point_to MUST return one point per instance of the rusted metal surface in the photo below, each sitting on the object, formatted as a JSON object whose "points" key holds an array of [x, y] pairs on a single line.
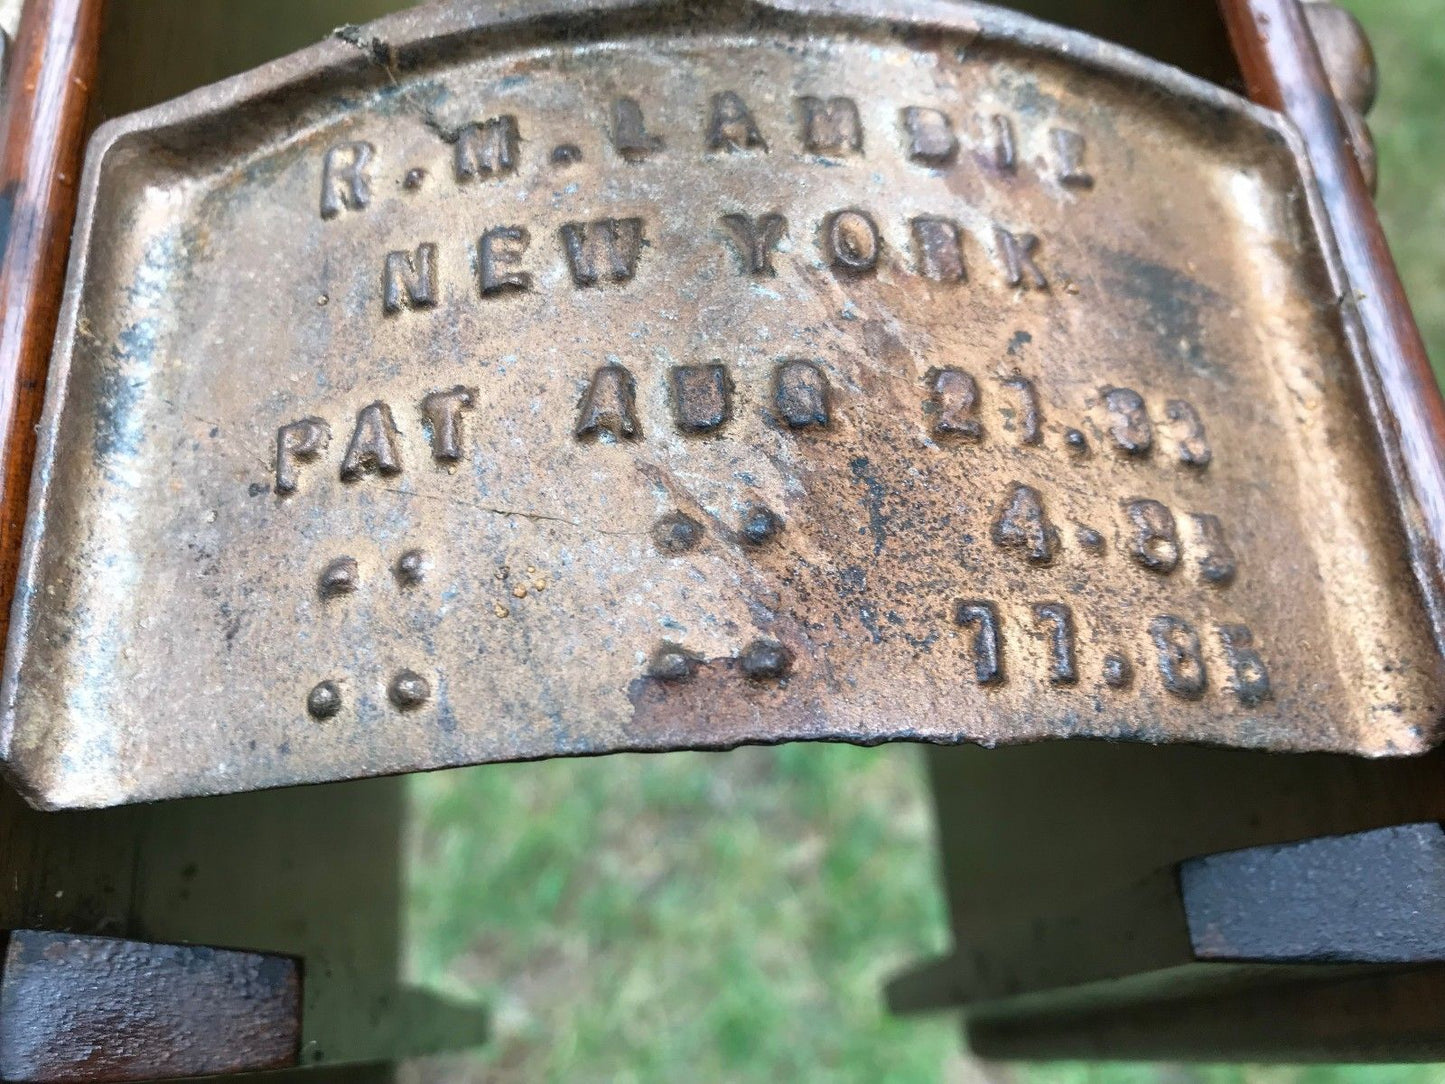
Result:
{"points": [[490, 385], [95, 1009]]}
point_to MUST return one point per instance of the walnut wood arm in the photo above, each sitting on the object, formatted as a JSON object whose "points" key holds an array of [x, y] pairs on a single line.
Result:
{"points": [[42, 134]]}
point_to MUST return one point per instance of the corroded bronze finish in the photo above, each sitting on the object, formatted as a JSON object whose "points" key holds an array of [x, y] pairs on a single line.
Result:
{"points": [[491, 386]]}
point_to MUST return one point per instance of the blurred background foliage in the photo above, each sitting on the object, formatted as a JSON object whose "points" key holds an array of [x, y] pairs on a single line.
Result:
{"points": [[1409, 40], [732, 917]]}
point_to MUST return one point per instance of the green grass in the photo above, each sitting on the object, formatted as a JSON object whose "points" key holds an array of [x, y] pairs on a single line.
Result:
{"points": [[733, 917], [1409, 40], [708, 917]]}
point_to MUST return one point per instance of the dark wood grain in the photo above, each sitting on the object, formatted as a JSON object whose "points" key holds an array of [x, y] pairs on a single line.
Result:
{"points": [[47, 97], [1282, 70]]}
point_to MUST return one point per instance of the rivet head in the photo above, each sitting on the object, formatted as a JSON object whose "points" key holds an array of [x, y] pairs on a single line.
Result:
{"points": [[324, 700], [408, 690], [410, 568], [671, 663], [766, 660], [339, 577], [676, 533], [760, 523]]}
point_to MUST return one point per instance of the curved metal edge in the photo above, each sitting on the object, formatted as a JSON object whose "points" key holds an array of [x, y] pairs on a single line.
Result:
{"points": [[452, 22]]}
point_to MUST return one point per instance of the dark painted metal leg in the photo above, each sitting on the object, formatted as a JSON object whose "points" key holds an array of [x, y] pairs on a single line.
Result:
{"points": [[1114, 901]]}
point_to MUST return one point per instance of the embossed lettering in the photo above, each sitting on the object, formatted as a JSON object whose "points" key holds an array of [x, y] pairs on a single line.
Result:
{"points": [[324, 700], [930, 135], [676, 533], [1154, 541], [671, 662], [340, 576], [1118, 671], [373, 444], [1021, 524], [1017, 253], [954, 404], [629, 132], [344, 180], [851, 238], [730, 126], [755, 239], [987, 652], [831, 125], [610, 405], [1031, 422], [1129, 420], [408, 690], [765, 660], [1216, 561], [443, 413], [1193, 447], [940, 249], [759, 524], [1004, 156], [502, 247], [487, 149], [409, 281], [701, 397], [1069, 155], [1181, 664], [801, 392], [1250, 677], [605, 248], [410, 568], [296, 443], [1063, 670]]}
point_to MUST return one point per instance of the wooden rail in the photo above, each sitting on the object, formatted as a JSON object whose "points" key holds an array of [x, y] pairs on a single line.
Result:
{"points": [[42, 133]]}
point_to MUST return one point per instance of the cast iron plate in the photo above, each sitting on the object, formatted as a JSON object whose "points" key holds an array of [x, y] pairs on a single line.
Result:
{"points": [[1031, 413]]}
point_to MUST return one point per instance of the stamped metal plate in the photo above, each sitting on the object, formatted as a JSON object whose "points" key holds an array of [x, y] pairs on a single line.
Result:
{"points": [[501, 383]]}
